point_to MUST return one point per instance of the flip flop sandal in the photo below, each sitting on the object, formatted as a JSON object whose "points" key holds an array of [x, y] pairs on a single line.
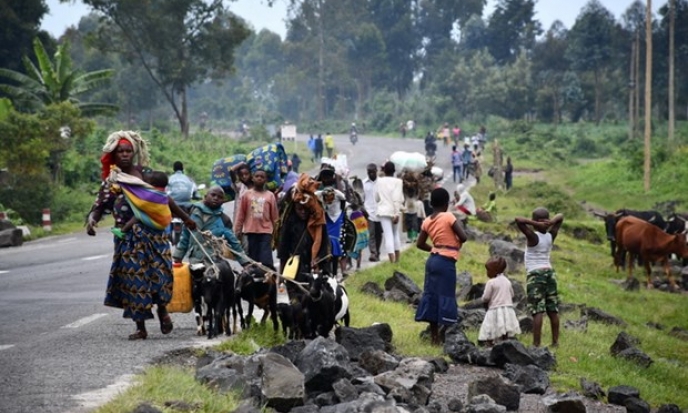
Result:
{"points": [[138, 335], [166, 325]]}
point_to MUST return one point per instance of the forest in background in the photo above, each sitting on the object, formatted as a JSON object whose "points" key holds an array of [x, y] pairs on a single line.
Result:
{"points": [[171, 68]]}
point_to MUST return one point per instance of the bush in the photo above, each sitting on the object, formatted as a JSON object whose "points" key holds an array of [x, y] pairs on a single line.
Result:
{"points": [[72, 205], [28, 195], [540, 193]]}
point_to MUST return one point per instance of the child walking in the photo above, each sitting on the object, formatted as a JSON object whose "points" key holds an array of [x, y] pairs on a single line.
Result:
{"points": [[500, 322], [333, 201], [256, 217], [207, 216], [438, 303], [358, 217]]}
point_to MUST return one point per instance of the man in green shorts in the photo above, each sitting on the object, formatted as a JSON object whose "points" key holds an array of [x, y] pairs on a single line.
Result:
{"points": [[541, 280]]}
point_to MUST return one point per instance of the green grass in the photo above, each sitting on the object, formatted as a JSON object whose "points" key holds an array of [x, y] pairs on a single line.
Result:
{"points": [[161, 384], [585, 272]]}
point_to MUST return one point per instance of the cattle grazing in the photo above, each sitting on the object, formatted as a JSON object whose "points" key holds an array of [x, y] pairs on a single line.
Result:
{"points": [[326, 304], [610, 220], [651, 244], [676, 223], [257, 288], [213, 290]]}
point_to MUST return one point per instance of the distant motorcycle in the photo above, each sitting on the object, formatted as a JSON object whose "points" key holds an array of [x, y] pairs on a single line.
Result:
{"points": [[353, 137], [430, 150]]}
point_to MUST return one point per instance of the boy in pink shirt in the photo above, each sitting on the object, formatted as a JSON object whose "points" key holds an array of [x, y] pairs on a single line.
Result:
{"points": [[256, 217]]}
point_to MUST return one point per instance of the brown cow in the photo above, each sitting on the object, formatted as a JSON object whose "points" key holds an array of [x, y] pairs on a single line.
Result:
{"points": [[651, 244]]}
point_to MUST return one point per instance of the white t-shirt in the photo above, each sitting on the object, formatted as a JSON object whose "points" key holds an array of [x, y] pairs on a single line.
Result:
{"points": [[369, 190], [390, 196], [537, 257]]}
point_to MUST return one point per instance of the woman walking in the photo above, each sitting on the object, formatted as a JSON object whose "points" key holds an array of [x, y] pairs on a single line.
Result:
{"points": [[390, 201], [141, 270]]}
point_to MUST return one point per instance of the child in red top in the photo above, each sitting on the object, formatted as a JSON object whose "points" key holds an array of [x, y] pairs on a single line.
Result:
{"points": [[256, 217], [438, 303]]}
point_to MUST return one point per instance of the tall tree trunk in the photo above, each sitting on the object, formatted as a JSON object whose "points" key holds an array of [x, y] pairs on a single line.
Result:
{"points": [[672, 114], [636, 104], [631, 94], [184, 118], [321, 64], [648, 93], [597, 97]]}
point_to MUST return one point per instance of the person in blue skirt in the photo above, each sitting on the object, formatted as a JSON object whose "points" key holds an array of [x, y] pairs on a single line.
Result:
{"points": [[438, 303]]}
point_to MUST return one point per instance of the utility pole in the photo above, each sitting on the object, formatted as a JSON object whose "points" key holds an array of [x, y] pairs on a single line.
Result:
{"points": [[631, 94], [672, 113], [648, 94]]}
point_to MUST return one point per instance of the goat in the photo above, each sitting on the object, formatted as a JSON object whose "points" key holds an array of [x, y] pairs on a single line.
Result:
{"points": [[326, 303], [258, 289], [214, 289]]}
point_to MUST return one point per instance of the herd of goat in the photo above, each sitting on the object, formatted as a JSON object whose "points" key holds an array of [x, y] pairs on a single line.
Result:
{"points": [[315, 304]]}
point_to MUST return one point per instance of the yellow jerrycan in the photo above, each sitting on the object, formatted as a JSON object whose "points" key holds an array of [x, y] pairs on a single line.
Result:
{"points": [[181, 301]]}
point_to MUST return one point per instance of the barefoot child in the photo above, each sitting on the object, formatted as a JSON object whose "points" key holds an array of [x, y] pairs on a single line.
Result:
{"points": [[438, 303], [255, 219], [500, 322], [541, 288], [358, 217]]}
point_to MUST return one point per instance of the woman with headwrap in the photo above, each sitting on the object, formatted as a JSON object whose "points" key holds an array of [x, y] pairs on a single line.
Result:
{"points": [[141, 271]]}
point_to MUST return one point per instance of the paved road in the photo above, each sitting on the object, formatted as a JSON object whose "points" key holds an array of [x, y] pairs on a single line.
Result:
{"points": [[61, 350]]}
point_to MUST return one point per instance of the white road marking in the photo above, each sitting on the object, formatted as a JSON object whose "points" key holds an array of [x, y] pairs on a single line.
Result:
{"points": [[66, 240], [6, 346], [94, 257], [84, 321], [97, 398], [2, 272]]}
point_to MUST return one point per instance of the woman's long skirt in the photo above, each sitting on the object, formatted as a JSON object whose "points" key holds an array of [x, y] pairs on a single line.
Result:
{"points": [[141, 273]]}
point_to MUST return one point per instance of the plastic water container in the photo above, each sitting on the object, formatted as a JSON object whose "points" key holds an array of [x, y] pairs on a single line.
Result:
{"points": [[181, 301]]}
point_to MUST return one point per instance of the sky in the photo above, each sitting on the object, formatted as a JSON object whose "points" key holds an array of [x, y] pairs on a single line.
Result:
{"points": [[62, 16]]}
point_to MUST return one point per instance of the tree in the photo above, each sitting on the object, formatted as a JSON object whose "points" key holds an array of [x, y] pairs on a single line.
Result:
{"points": [[590, 43], [53, 82], [634, 21], [178, 42], [549, 70], [21, 21], [395, 22], [512, 28], [648, 95], [672, 102], [34, 164]]}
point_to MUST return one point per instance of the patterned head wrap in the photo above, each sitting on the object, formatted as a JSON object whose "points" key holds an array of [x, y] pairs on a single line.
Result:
{"points": [[140, 146]]}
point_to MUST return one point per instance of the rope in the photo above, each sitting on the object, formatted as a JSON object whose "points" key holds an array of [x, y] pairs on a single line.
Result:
{"points": [[217, 243], [201, 246]]}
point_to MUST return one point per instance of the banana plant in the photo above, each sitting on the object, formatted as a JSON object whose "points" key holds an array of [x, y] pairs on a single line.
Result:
{"points": [[54, 81]]}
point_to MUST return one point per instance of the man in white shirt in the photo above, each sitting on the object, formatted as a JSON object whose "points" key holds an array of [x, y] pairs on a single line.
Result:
{"points": [[180, 187], [374, 226]]}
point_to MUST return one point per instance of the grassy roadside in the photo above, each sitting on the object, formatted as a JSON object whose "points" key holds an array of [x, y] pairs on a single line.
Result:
{"points": [[585, 277]]}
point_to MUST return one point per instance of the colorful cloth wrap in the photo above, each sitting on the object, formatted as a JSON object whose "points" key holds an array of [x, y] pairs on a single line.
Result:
{"points": [[151, 206], [271, 158], [220, 174]]}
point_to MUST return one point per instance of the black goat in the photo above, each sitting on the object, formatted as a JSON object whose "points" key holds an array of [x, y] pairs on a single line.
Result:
{"points": [[257, 289], [213, 288]]}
